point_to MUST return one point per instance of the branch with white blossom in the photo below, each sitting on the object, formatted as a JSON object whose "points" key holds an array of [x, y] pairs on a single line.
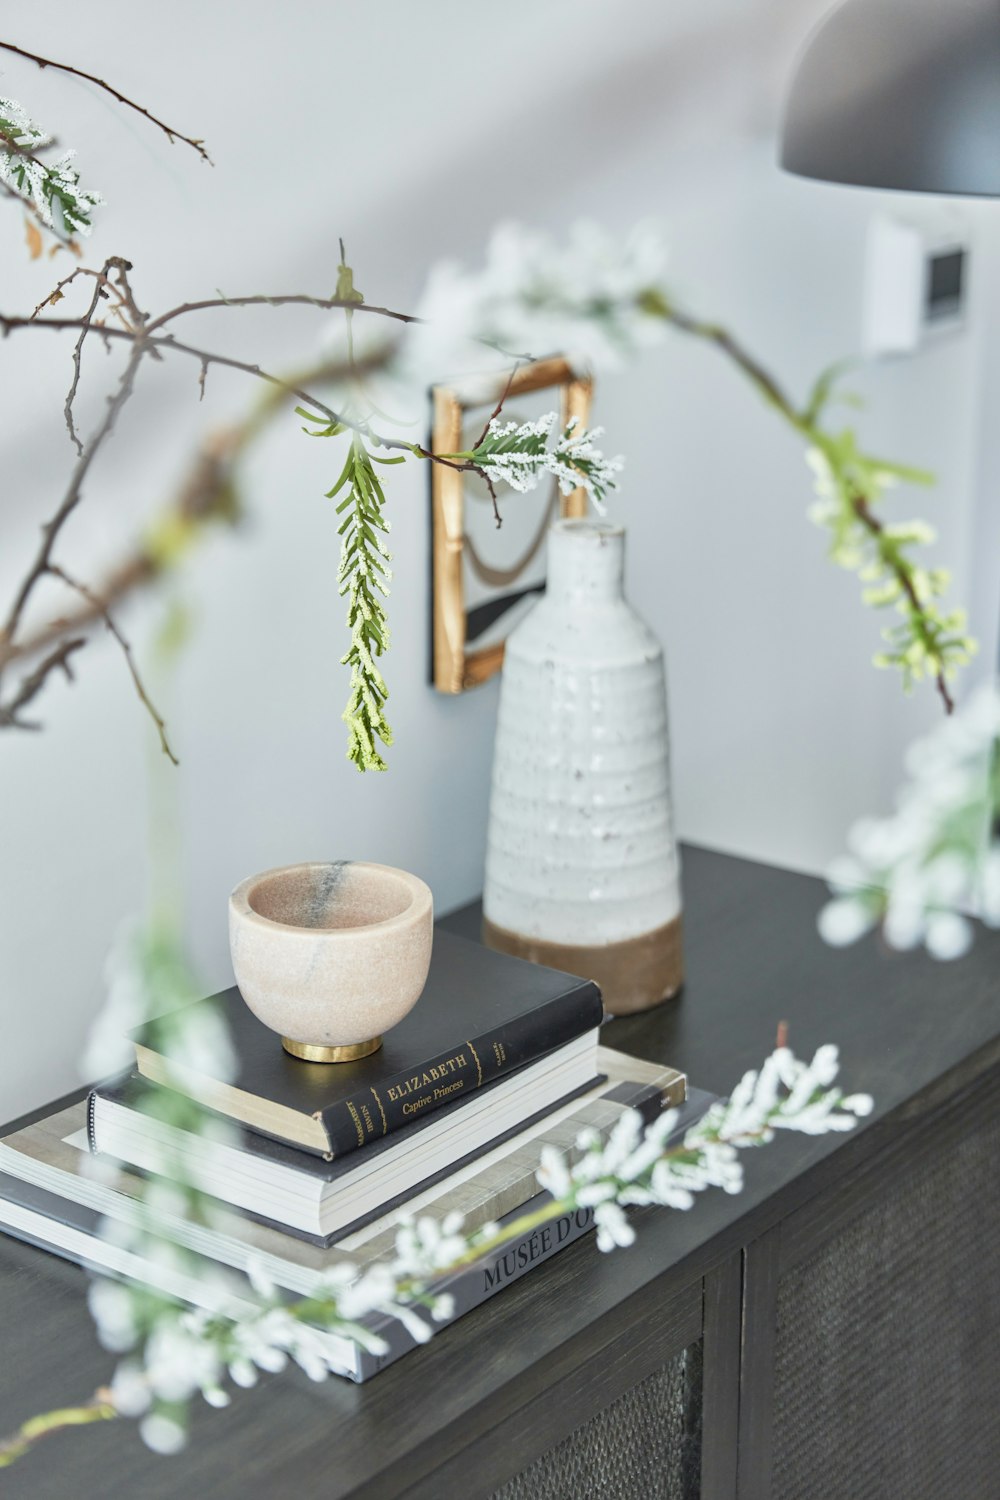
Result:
{"points": [[173, 1354], [606, 301], [602, 301]]}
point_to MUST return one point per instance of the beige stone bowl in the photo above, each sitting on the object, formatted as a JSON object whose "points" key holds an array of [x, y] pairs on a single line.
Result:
{"points": [[330, 956]]}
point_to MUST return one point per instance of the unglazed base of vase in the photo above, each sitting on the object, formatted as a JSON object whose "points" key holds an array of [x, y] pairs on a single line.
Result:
{"points": [[632, 975]]}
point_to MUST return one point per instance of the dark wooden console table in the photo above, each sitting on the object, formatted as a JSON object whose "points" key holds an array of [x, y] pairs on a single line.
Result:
{"points": [[830, 1333]]}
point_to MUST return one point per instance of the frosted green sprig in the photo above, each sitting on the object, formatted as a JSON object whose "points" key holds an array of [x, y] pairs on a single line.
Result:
{"points": [[518, 454], [52, 188]]}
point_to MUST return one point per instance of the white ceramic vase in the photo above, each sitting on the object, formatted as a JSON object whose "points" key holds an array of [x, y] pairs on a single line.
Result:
{"points": [[582, 871]]}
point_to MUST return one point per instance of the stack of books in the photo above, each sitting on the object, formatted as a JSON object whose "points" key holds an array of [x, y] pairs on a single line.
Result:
{"points": [[498, 1058]]}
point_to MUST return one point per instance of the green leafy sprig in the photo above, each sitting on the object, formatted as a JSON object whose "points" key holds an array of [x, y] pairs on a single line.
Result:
{"points": [[928, 641], [363, 577]]}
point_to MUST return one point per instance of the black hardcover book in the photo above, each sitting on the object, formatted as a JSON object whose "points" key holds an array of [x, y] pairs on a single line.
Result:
{"points": [[481, 1015]]}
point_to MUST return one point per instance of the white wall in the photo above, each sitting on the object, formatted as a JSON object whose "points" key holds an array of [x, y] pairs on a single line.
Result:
{"points": [[412, 130]]}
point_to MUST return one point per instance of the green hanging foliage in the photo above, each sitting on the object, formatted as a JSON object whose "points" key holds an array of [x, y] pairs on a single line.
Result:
{"points": [[363, 578]]}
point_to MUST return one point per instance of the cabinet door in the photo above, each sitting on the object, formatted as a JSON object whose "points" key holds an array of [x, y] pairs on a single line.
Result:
{"points": [[885, 1375], [644, 1444]]}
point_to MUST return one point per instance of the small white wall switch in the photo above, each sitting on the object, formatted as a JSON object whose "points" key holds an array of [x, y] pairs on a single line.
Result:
{"points": [[916, 280]]}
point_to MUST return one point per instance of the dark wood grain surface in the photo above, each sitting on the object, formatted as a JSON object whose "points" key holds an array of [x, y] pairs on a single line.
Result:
{"points": [[912, 1032]]}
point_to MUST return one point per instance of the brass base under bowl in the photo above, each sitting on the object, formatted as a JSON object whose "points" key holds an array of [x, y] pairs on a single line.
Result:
{"points": [[308, 1053]]}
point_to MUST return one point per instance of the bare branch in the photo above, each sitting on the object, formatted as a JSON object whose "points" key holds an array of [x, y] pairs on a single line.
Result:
{"points": [[168, 130], [498, 408], [723, 340], [153, 345], [138, 318], [35, 681], [117, 585], [100, 292], [73, 494], [498, 519], [212, 482], [102, 609], [283, 300], [206, 494], [56, 294]]}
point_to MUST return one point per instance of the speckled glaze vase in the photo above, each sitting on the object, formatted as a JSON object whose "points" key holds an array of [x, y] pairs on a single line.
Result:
{"points": [[582, 871]]}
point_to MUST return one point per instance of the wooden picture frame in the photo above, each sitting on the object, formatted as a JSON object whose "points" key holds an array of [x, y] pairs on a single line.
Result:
{"points": [[458, 663]]}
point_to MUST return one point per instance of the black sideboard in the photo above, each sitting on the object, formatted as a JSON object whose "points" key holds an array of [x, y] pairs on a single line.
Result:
{"points": [[829, 1333]]}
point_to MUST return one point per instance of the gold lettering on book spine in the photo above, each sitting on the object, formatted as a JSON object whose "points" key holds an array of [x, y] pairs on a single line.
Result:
{"points": [[479, 1066], [385, 1127], [357, 1123]]}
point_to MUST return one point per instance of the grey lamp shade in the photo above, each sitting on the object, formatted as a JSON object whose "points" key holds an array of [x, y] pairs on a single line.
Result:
{"points": [[900, 94]]}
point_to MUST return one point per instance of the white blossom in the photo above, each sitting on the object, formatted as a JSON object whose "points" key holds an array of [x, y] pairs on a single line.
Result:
{"points": [[178, 1362], [259, 1278], [553, 1172], [112, 1307], [162, 1434], [202, 1044], [585, 298], [613, 1229], [635, 1167], [108, 1048], [130, 1392], [935, 862], [426, 1245], [843, 921]]}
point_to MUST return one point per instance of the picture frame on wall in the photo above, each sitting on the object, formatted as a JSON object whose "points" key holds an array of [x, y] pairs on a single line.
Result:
{"points": [[485, 577]]}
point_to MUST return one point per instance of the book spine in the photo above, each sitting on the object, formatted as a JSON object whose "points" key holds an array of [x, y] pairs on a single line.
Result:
{"points": [[469, 1288], [373, 1113]]}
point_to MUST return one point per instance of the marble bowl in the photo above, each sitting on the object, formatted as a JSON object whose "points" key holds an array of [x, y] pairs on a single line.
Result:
{"points": [[330, 956]]}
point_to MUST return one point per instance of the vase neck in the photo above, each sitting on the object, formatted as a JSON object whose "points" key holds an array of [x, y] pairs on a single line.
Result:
{"points": [[586, 560]]}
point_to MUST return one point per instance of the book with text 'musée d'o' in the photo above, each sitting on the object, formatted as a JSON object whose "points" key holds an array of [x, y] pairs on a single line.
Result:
{"points": [[482, 1016]]}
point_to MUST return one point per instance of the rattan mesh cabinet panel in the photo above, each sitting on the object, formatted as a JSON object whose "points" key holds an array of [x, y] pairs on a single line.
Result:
{"points": [[887, 1357], [644, 1446]]}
